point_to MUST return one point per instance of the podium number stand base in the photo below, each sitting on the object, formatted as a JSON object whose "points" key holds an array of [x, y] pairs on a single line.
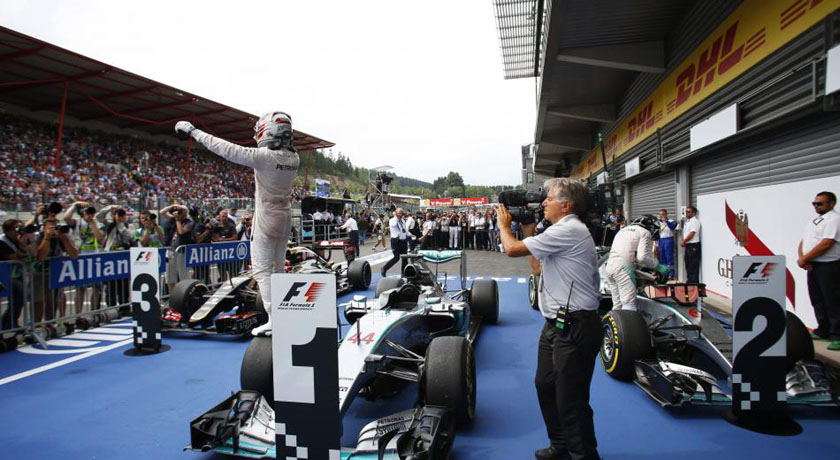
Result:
{"points": [[134, 351], [776, 424]]}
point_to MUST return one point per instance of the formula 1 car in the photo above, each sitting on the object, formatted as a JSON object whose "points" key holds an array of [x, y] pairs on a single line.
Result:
{"points": [[415, 330], [679, 354], [235, 307], [352, 275]]}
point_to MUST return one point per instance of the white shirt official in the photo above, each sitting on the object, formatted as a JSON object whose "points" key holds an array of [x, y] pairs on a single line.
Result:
{"points": [[822, 227], [350, 225], [566, 253], [692, 225], [398, 228]]}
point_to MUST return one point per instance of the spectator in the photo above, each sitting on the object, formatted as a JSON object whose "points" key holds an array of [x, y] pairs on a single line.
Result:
{"points": [[691, 243], [464, 223], [454, 231], [819, 253]]}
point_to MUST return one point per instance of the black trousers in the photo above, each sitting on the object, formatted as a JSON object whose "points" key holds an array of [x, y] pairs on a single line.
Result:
{"points": [[399, 247], [11, 316], [692, 262], [824, 290], [469, 239], [564, 375], [354, 240]]}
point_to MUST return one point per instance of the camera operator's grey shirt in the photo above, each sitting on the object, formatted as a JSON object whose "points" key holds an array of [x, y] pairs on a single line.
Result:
{"points": [[566, 253]]}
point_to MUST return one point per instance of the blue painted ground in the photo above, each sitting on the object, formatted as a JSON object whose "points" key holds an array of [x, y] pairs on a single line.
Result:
{"points": [[111, 406]]}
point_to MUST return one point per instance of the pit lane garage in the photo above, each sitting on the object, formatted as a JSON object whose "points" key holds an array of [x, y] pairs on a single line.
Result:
{"points": [[99, 403]]}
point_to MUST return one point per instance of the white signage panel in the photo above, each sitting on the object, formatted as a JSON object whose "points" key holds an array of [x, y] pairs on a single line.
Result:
{"points": [[715, 128]]}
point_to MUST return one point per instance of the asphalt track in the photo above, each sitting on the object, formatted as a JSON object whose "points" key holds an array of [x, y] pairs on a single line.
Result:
{"points": [[92, 402]]}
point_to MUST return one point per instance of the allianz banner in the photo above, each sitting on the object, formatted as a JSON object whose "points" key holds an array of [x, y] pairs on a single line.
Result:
{"points": [[96, 267], [215, 253]]}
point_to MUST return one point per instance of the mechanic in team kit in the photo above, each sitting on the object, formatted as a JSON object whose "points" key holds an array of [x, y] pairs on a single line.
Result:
{"points": [[632, 245], [275, 162], [571, 335]]}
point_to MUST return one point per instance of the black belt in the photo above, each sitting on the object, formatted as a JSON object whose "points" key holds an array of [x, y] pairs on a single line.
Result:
{"points": [[576, 314]]}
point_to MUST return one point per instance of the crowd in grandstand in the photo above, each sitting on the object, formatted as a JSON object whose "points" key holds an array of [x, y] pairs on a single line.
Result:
{"points": [[107, 168]]}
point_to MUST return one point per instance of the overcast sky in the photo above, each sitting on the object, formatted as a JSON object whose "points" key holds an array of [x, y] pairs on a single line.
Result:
{"points": [[417, 85]]}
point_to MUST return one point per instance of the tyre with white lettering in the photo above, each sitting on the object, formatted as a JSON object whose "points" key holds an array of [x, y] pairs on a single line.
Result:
{"points": [[484, 300], [448, 378], [256, 372], [533, 291], [626, 340], [187, 297], [359, 274]]}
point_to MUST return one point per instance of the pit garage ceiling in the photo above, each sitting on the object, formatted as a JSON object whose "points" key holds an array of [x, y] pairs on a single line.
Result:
{"points": [[594, 51]]}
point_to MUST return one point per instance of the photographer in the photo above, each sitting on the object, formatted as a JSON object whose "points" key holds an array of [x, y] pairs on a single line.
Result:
{"points": [[223, 230], [149, 234], [243, 230], [16, 243], [53, 241], [568, 299], [178, 233], [202, 234], [88, 238], [117, 238], [44, 212]]}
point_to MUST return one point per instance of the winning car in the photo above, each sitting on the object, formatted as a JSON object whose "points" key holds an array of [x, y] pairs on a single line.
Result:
{"points": [[415, 330]]}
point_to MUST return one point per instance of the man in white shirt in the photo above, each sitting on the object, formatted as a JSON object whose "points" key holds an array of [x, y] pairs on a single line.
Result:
{"points": [[399, 240], [568, 289], [691, 243], [410, 223], [819, 253], [352, 228]]}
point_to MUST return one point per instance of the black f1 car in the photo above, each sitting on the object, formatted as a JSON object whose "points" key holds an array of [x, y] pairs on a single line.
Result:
{"points": [[235, 307], [350, 275], [415, 330], [679, 354]]}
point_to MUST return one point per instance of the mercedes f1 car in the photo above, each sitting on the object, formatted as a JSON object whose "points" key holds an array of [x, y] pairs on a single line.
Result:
{"points": [[415, 330], [679, 354], [235, 307]]}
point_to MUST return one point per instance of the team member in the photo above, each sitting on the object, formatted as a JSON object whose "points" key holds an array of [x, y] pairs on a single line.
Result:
{"points": [[352, 228], [691, 243], [569, 284], [275, 162], [399, 241], [666, 241], [632, 244], [819, 253]]}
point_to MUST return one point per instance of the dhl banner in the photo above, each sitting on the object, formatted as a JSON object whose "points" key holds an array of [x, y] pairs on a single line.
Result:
{"points": [[755, 30], [453, 202]]}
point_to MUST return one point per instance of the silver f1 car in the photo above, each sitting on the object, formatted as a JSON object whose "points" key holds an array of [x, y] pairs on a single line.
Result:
{"points": [[415, 330], [679, 354]]}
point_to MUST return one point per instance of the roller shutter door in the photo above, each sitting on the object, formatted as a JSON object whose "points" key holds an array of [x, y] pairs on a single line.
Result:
{"points": [[651, 195], [807, 150]]}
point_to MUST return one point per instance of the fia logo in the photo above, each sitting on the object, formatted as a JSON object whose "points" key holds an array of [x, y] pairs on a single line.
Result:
{"points": [[758, 273], [143, 258], [301, 296]]}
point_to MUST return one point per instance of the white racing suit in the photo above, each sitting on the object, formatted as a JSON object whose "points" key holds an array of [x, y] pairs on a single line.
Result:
{"points": [[274, 171], [632, 244]]}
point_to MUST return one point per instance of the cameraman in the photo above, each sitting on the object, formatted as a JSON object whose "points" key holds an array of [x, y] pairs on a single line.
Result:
{"points": [[118, 237], [16, 243], [178, 233], [53, 241], [225, 230], [150, 234], [568, 289], [44, 211], [88, 237]]}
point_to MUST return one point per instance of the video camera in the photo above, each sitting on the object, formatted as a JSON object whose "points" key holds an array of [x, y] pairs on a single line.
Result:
{"points": [[524, 206]]}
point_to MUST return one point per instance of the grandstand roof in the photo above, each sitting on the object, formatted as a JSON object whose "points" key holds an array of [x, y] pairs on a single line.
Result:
{"points": [[34, 73]]}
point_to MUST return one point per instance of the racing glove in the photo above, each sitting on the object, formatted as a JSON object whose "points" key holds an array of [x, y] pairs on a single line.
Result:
{"points": [[184, 127]]}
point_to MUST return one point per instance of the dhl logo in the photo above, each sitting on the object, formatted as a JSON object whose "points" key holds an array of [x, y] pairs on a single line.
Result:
{"points": [[642, 122], [795, 11]]}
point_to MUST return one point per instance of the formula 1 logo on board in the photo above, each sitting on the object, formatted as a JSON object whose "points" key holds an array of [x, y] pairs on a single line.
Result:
{"points": [[301, 296]]}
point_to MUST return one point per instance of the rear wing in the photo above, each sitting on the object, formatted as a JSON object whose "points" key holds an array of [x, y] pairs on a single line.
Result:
{"points": [[439, 257]]}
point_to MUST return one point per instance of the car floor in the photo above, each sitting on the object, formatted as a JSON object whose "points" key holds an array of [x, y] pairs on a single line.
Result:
{"points": [[97, 403]]}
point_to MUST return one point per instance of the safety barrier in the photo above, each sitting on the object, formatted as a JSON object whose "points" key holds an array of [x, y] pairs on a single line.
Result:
{"points": [[43, 300]]}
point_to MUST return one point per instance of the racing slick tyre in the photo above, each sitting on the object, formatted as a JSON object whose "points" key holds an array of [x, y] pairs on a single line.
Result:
{"points": [[359, 275], [484, 300], [799, 344], [385, 284], [626, 339], [449, 377], [187, 297], [256, 371], [533, 291]]}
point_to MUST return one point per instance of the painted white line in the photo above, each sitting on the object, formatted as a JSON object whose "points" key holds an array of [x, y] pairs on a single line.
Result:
{"points": [[63, 362], [71, 343], [112, 330], [91, 336], [521, 280]]}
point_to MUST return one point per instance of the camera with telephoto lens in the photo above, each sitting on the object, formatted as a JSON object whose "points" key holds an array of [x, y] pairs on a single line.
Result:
{"points": [[524, 206], [63, 228], [24, 229]]}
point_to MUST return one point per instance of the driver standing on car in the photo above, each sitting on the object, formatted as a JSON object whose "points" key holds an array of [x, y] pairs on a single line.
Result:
{"points": [[632, 244], [275, 162], [568, 288]]}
